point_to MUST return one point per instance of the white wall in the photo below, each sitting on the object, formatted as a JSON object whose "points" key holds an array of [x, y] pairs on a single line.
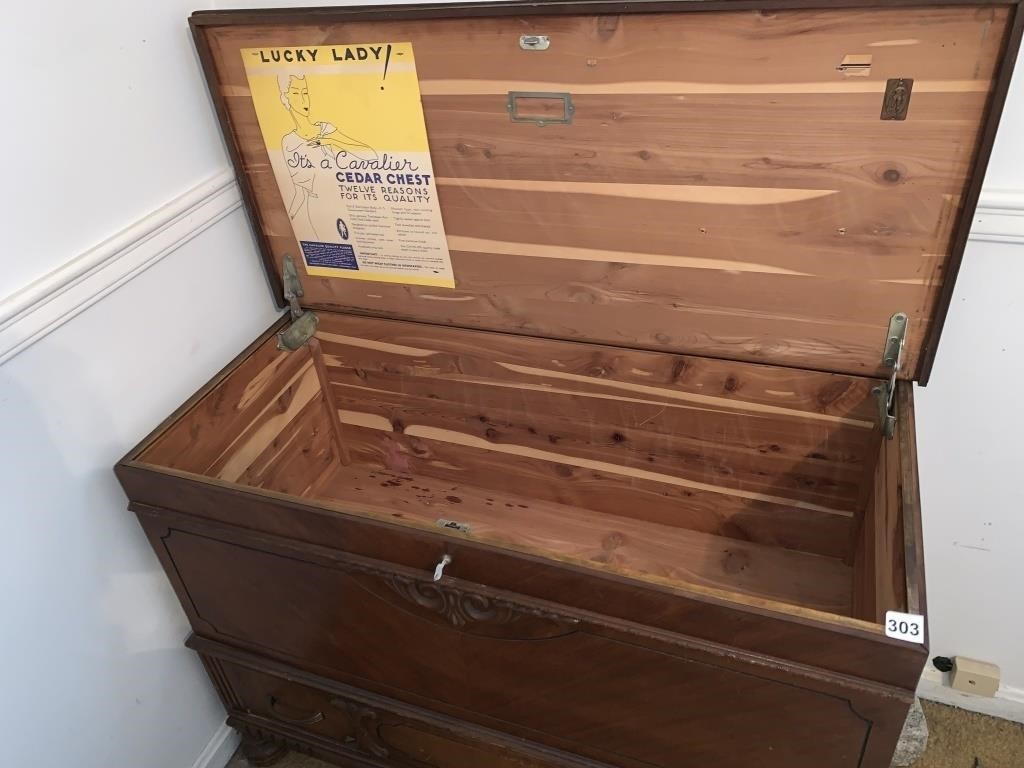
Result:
{"points": [[970, 460], [109, 123], [94, 673], [971, 464], [111, 337]]}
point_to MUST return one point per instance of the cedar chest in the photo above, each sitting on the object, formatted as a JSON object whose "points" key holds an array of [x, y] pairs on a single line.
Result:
{"points": [[641, 489]]}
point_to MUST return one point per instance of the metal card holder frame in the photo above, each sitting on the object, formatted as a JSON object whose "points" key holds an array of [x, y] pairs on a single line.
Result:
{"points": [[514, 97]]}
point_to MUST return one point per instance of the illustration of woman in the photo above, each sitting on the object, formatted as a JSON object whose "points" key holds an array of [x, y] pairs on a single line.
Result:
{"points": [[323, 137]]}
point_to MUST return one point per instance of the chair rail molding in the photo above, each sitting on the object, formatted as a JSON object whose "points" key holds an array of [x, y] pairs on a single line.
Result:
{"points": [[32, 312], [1000, 216], [29, 314]]}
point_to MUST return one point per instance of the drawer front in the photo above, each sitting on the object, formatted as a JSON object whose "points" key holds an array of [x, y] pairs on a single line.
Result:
{"points": [[362, 725], [532, 670]]}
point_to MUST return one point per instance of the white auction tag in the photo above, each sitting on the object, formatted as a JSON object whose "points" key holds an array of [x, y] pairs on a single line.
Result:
{"points": [[904, 626]]}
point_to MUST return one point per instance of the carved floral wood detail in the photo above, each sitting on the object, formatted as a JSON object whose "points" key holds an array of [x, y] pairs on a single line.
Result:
{"points": [[461, 608], [365, 724], [258, 738]]}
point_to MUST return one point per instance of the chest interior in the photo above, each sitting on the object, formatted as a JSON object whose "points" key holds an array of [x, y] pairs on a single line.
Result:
{"points": [[762, 484]]}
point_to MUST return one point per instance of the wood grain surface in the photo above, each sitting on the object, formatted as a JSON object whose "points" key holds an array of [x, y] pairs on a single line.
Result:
{"points": [[593, 692], [245, 681], [641, 427], [725, 187], [358, 724], [880, 577], [910, 503], [724, 475], [585, 690]]}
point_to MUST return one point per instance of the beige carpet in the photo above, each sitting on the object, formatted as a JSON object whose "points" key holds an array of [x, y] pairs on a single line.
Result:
{"points": [[957, 739], [961, 739]]}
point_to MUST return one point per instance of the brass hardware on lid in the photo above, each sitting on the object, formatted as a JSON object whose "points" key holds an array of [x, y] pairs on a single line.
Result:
{"points": [[304, 322], [892, 361], [516, 99], [896, 100], [534, 42], [454, 525]]}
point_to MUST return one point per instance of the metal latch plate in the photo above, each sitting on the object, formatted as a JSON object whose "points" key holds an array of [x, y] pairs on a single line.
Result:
{"points": [[534, 42], [453, 525]]}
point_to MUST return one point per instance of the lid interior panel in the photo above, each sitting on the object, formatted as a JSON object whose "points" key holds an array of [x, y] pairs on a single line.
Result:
{"points": [[726, 187]]}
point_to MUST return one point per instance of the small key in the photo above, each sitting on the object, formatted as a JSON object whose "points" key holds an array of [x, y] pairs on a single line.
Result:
{"points": [[439, 570]]}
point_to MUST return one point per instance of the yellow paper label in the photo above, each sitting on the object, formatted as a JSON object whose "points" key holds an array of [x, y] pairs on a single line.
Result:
{"points": [[343, 126]]}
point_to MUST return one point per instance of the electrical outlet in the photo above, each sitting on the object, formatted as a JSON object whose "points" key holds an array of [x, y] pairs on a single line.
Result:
{"points": [[973, 676]]}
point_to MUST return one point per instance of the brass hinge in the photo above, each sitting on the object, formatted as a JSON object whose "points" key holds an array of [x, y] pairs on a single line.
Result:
{"points": [[304, 322], [892, 362]]}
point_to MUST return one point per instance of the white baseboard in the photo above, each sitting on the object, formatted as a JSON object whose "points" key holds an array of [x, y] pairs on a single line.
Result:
{"points": [[220, 748], [1008, 703], [44, 305]]}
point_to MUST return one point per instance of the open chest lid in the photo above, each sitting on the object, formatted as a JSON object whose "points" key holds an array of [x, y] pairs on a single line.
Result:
{"points": [[723, 179]]}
